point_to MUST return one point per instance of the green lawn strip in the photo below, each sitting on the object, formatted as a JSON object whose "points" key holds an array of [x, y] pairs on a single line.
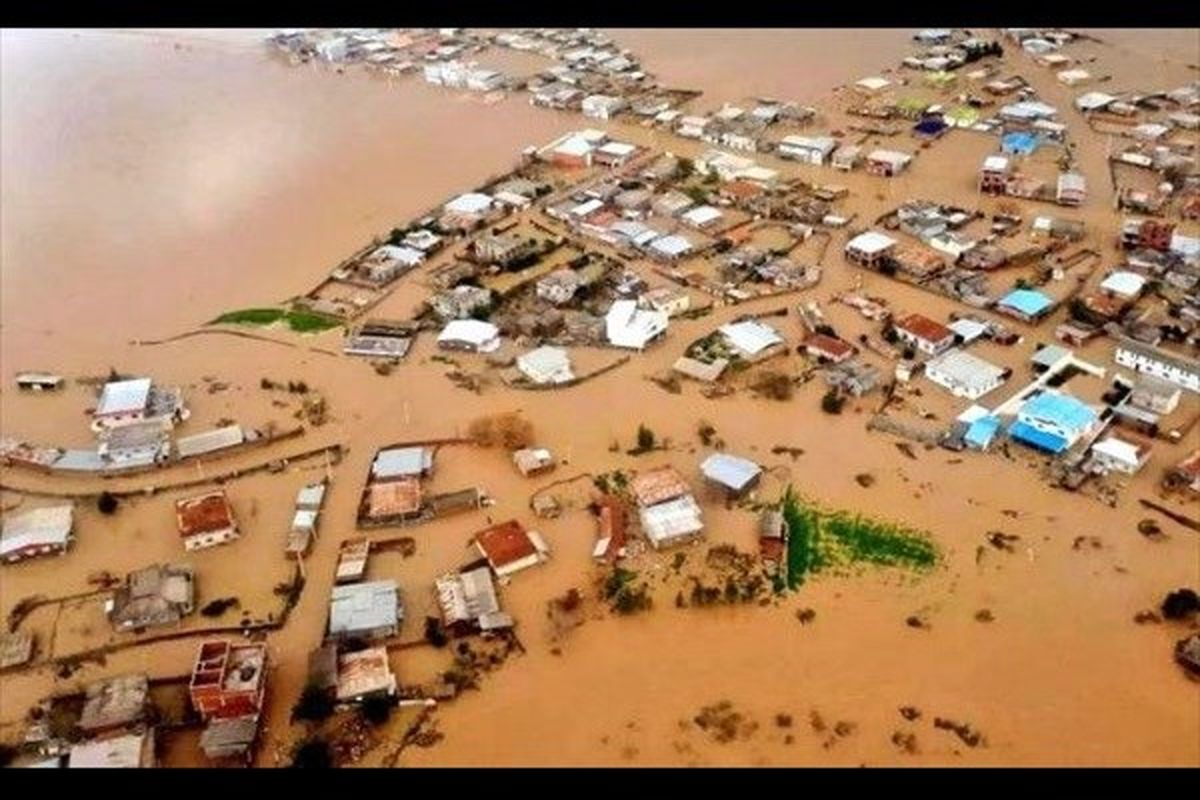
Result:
{"points": [[819, 540], [297, 321], [250, 316], [308, 322]]}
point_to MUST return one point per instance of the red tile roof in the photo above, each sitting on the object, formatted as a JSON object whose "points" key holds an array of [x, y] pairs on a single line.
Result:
{"points": [[505, 543], [828, 346], [658, 486], [209, 512], [925, 328]]}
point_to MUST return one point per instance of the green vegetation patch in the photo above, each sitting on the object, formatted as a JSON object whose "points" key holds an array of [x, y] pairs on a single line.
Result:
{"points": [[298, 321], [820, 539]]}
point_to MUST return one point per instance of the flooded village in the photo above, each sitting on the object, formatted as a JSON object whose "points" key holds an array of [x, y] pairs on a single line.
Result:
{"points": [[625, 443]]}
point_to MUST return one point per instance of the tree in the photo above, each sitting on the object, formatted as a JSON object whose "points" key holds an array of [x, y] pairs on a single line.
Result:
{"points": [[377, 709], [314, 705], [312, 754], [435, 634], [645, 438], [832, 402], [1180, 604], [107, 503]]}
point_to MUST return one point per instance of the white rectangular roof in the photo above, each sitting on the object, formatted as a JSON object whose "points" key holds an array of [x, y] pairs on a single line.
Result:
{"points": [[402, 462], [672, 245], [363, 607], [995, 163], [965, 368], [729, 470], [587, 207], [472, 331], [702, 215], [122, 397], [968, 329], [1118, 449], [469, 203], [894, 157], [671, 520], [313, 494], [49, 526], [1123, 283], [750, 336], [870, 242], [617, 148], [825, 144], [209, 441]]}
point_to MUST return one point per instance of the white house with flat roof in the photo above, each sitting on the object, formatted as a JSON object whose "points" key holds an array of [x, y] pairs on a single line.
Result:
{"points": [[1118, 455], [964, 374], [1161, 363], [809, 149], [626, 325], [869, 247]]}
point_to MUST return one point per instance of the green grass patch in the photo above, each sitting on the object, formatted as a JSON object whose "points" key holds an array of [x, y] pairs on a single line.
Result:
{"points": [[819, 539], [298, 321], [250, 316]]}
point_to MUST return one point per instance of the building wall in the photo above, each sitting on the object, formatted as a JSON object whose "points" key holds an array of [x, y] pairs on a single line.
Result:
{"points": [[1189, 380], [1115, 464], [960, 390], [204, 540]]}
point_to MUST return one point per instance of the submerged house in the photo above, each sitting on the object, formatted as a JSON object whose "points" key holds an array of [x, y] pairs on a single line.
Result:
{"points": [[365, 610], [206, 521], [628, 326], [668, 512], [510, 548], [1053, 421], [138, 400], [469, 603], [38, 532], [736, 475], [752, 340], [227, 689], [161, 594]]}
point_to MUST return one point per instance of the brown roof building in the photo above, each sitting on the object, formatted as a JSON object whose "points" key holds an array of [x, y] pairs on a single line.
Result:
{"points": [[509, 548], [925, 334], [206, 521], [658, 486], [392, 499], [830, 348]]}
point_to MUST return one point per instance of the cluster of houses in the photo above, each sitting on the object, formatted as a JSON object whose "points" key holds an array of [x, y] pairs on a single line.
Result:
{"points": [[998, 176], [395, 490], [114, 722], [133, 422]]}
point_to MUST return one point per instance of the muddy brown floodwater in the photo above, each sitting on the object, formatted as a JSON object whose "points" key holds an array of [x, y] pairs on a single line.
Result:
{"points": [[152, 180]]}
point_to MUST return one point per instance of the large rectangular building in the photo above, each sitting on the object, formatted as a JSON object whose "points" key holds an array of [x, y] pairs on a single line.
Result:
{"points": [[1160, 363]]}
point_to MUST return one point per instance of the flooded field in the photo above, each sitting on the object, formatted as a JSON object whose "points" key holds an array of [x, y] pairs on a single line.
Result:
{"points": [[153, 182]]}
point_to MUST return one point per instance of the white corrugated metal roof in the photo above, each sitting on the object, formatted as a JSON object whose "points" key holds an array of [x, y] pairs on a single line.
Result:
{"points": [[402, 462], [750, 336], [730, 471], [671, 520], [208, 441], [473, 331], [363, 606], [40, 527], [122, 397], [870, 242]]}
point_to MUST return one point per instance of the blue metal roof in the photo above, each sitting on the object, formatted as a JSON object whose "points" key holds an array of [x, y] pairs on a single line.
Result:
{"points": [[1037, 438], [1027, 301], [981, 432], [1020, 142], [1060, 409]]}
